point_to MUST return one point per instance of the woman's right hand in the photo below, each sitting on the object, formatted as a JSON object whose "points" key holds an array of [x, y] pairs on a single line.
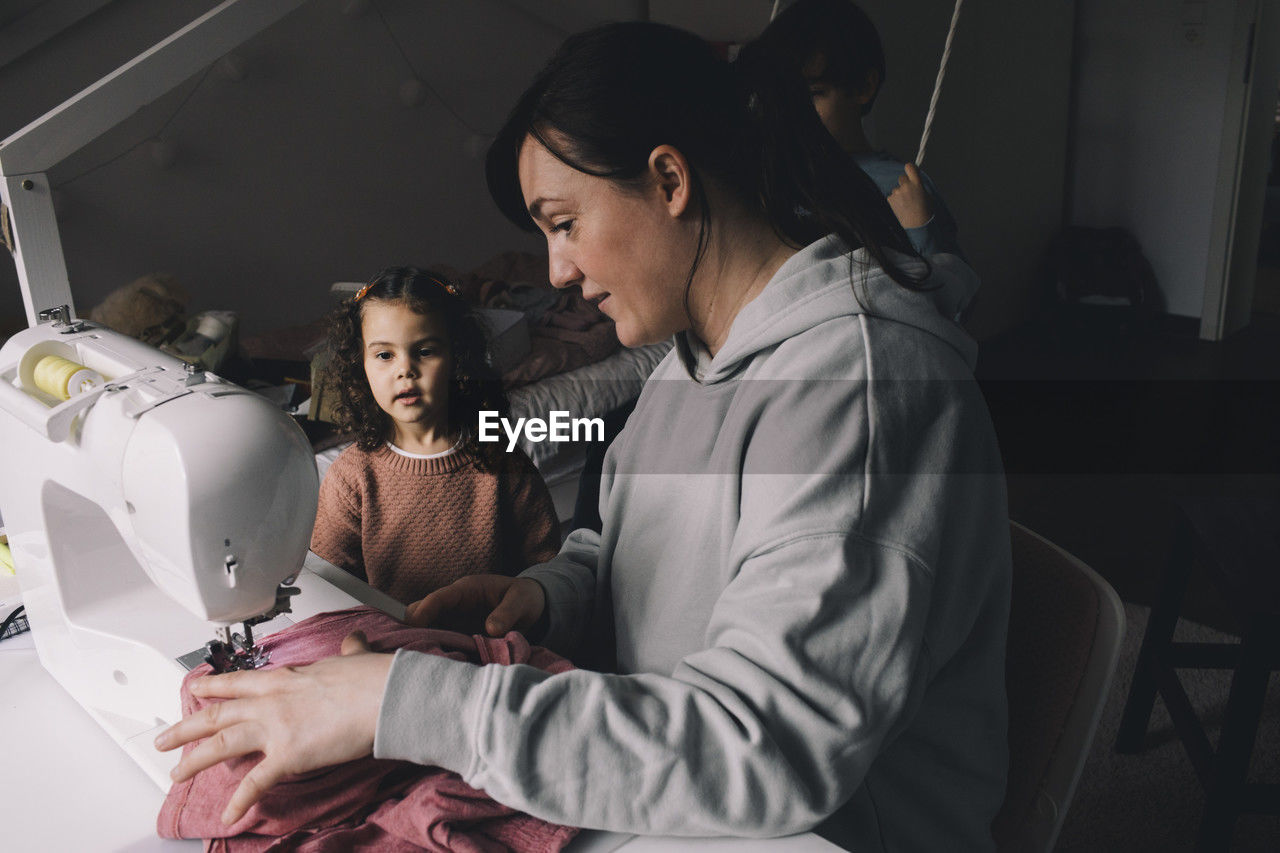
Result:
{"points": [[503, 603]]}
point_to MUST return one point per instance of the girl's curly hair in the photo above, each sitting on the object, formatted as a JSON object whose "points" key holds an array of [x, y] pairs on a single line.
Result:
{"points": [[475, 385]]}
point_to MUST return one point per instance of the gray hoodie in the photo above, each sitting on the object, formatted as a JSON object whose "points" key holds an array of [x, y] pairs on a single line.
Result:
{"points": [[802, 586]]}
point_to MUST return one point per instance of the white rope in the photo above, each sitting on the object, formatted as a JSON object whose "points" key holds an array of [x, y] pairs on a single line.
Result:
{"points": [[937, 85]]}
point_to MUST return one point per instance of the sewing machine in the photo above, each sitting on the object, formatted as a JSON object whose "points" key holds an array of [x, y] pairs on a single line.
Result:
{"points": [[151, 508]]}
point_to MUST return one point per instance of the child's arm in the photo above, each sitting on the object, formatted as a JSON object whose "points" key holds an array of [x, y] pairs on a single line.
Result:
{"points": [[533, 513], [910, 200], [925, 218], [336, 534]]}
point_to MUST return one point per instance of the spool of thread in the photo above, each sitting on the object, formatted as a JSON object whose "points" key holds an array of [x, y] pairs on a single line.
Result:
{"points": [[62, 378]]}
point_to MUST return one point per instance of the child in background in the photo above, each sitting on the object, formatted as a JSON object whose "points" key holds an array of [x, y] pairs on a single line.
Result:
{"points": [[417, 502], [837, 49]]}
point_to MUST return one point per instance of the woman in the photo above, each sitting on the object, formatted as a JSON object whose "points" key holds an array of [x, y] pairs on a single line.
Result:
{"points": [[800, 592]]}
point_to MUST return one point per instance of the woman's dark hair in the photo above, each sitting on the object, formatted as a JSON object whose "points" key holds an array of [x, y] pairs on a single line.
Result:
{"points": [[475, 386], [836, 30], [610, 95]]}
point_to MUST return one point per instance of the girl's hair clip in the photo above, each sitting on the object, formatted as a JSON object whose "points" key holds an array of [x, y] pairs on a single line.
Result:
{"points": [[449, 288]]}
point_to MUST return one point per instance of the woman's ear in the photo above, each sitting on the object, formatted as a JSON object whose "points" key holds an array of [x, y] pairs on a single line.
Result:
{"points": [[672, 177]]}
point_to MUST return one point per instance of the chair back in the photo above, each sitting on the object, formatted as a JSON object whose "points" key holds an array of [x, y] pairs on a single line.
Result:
{"points": [[1065, 628]]}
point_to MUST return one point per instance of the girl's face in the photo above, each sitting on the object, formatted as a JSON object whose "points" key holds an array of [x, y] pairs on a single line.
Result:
{"points": [[409, 365], [839, 107], [625, 251]]}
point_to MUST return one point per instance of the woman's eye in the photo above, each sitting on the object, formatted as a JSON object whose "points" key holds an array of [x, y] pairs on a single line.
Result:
{"points": [[566, 226]]}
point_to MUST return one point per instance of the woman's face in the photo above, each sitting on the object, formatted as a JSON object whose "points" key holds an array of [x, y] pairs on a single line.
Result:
{"points": [[626, 251]]}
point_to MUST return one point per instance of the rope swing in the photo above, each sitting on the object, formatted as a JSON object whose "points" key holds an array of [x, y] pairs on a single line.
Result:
{"points": [[937, 84]]}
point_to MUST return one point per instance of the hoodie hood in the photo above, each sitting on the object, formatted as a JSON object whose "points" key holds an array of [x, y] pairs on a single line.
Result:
{"points": [[818, 284]]}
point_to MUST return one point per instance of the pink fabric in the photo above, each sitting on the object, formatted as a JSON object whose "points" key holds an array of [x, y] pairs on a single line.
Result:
{"points": [[368, 804]]}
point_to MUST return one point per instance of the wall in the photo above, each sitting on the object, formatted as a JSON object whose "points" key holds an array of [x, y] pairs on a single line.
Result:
{"points": [[997, 150], [309, 169], [1244, 164], [1149, 130]]}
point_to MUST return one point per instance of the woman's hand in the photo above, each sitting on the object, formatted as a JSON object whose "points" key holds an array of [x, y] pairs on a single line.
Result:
{"points": [[503, 603], [300, 719], [910, 200]]}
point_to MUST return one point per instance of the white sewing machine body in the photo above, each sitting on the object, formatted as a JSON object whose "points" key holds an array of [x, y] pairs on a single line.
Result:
{"points": [[144, 513]]}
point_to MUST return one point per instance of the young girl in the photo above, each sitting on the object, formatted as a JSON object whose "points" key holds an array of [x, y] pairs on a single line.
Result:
{"points": [[417, 502], [835, 46]]}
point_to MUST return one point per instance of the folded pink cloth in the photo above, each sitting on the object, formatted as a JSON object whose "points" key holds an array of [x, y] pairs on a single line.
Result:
{"points": [[367, 804]]}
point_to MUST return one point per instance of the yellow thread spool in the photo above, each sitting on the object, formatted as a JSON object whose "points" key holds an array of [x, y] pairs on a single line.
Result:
{"points": [[62, 378]]}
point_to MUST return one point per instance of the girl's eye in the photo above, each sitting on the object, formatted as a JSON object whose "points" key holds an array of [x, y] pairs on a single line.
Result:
{"points": [[426, 352], [382, 356]]}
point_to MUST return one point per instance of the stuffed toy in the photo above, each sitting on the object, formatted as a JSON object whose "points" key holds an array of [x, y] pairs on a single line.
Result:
{"points": [[151, 309]]}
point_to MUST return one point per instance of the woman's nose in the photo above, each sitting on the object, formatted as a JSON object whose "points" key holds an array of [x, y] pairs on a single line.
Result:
{"points": [[563, 272]]}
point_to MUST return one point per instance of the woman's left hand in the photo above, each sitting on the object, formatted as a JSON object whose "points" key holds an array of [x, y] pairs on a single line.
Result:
{"points": [[300, 719]]}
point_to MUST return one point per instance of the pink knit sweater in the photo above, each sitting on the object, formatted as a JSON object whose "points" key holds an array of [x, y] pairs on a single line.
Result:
{"points": [[410, 526]]}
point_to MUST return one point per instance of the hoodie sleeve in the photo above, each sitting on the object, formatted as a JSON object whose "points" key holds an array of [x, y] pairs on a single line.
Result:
{"points": [[569, 582], [530, 512], [766, 732]]}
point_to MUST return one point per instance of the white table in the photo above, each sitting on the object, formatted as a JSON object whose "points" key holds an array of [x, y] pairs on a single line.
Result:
{"points": [[67, 788]]}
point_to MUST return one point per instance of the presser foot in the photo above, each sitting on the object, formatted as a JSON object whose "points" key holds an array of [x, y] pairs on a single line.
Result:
{"points": [[232, 652]]}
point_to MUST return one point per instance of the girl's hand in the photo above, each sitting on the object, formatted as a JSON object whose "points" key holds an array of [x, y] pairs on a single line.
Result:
{"points": [[910, 200], [300, 719], [503, 603]]}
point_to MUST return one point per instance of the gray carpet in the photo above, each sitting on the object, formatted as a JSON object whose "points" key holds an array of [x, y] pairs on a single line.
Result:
{"points": [[1152, 801]]}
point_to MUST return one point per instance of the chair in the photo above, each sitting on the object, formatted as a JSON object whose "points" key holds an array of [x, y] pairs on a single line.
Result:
{"points": [[1065, 628], [1236, 540]]}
